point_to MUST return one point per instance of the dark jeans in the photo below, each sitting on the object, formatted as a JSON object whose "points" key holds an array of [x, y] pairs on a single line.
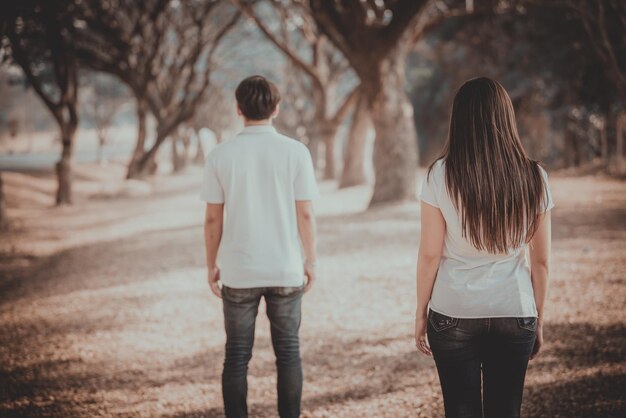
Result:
{"points": [[499, 347], [240, 311]]}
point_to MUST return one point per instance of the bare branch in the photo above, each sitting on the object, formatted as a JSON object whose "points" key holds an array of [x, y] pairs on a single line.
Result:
{"points": [[281, 44], [345, 107]]}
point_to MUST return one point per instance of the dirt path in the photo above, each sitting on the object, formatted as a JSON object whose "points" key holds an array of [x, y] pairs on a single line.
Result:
{"points": [[104, 310]]}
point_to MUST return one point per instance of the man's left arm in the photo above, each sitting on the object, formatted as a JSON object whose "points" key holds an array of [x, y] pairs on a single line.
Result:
{"points": [[213, 223]]}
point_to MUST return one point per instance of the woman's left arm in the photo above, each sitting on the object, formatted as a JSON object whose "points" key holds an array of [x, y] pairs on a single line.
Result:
{"points": [[433, 229]]}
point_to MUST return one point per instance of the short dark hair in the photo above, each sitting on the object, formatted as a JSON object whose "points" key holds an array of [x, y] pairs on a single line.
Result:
{"points": [[257, 97]]}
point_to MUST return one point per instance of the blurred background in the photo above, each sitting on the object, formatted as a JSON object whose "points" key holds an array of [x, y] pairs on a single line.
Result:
{"points": [[108, 108]]}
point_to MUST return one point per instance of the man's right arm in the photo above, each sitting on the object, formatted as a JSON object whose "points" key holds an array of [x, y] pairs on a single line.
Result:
{"points": [[306, 230], [213, 220]]}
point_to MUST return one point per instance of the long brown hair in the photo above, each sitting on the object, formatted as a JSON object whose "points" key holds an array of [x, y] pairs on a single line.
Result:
{"points": [[497, 189]]}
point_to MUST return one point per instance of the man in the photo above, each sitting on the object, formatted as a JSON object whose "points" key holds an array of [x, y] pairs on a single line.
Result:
{"points": [[258, 188]]}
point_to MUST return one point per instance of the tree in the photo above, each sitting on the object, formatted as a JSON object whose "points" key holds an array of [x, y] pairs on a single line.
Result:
{"points": [[5, 101], [604, 22], [181, 141], [103, 96], [217, 113], [376, 41], [543, 56], [122, 39], [354, 157], [297, 114], [37, 32], [375, 37], [163, 51], [4, 219], [310, 52]]}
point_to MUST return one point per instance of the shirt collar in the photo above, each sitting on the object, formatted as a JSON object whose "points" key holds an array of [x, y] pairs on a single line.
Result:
{"points": [[256, 129]]}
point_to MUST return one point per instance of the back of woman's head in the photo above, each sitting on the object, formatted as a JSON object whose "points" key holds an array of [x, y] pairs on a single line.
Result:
{"points": [[497, 189]]}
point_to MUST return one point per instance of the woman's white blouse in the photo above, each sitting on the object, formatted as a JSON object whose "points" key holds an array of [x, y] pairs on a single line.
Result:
{"points": [[471, 283]]}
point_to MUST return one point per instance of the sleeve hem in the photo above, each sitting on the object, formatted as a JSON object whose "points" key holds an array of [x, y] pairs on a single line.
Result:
{"points": [[307, 197], [211, 201], [428, 201]]}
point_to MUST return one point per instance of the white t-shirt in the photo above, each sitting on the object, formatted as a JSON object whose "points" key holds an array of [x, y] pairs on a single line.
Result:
{"points": [[259, 175], [472, 283]]}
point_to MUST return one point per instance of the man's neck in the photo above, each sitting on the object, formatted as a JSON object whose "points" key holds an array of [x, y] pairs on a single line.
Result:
{"points": [[257, 122]]}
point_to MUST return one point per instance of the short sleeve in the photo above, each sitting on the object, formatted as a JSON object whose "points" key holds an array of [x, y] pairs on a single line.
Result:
{"points": [[428, 189], [547, 203], [305, 186], [212, 190]]}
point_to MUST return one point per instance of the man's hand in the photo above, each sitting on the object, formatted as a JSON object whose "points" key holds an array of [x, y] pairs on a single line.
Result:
{"points": [[214, 278], [309, 274], [306, 230]]}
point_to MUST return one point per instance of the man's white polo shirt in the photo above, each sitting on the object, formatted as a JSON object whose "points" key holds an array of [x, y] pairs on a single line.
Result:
{"points": [[259, 175]]}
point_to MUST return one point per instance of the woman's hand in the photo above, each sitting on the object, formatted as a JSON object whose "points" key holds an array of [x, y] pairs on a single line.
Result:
{"points": [[428, 258], [421, 342], [539, 340]]}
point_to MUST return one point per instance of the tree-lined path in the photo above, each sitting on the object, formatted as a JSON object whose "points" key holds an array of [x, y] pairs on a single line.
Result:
{"points": [[105, 310]]}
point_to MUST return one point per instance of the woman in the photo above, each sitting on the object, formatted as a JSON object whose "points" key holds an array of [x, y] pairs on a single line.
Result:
{"points": [[484, 204]]}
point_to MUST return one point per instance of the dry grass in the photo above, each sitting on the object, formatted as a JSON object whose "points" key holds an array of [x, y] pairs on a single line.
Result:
{"points": [[104, 309]]}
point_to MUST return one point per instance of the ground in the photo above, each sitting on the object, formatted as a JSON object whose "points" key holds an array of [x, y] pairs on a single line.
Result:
{"points": [[105, 310]]}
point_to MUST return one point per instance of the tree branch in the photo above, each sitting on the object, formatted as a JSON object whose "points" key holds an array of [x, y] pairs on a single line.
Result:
{"points": [[20, 57], [292, 55], [345, 107]]}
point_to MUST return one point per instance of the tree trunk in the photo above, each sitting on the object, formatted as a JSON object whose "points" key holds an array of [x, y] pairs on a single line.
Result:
{"points": [[178, 159], [133, 167], [576, 150], [186, 145], [101, 143], [395, 149], [353, 173], [150, 166], [199, 158], [328, 134], [147, 165], [572, 148], [604, 143], [64, 167], [619, 151], [4, 220], [313, 146]]}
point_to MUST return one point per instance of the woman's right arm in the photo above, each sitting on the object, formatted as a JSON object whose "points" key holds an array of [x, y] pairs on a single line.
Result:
{"points": [[539, 269], [433, 231]]}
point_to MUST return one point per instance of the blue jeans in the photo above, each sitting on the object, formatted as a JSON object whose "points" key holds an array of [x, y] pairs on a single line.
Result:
{"points": [[284, 312], [498, 347]]}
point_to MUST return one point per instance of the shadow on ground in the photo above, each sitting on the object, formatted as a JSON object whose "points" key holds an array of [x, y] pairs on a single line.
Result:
{"points": [[580, 373], [597, 394]]}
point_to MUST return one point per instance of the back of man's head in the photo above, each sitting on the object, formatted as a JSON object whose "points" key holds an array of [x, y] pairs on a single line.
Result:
{"points": [[257, 98]]}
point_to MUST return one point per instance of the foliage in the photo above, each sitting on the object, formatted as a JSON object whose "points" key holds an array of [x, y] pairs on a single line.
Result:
{"points": [[161, 49], [36, 36], [549, 73]]}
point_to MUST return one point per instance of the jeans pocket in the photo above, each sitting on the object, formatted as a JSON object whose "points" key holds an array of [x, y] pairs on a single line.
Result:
{"points": [[287, 290], [239, 295], [529, 323], [441, 322]]}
